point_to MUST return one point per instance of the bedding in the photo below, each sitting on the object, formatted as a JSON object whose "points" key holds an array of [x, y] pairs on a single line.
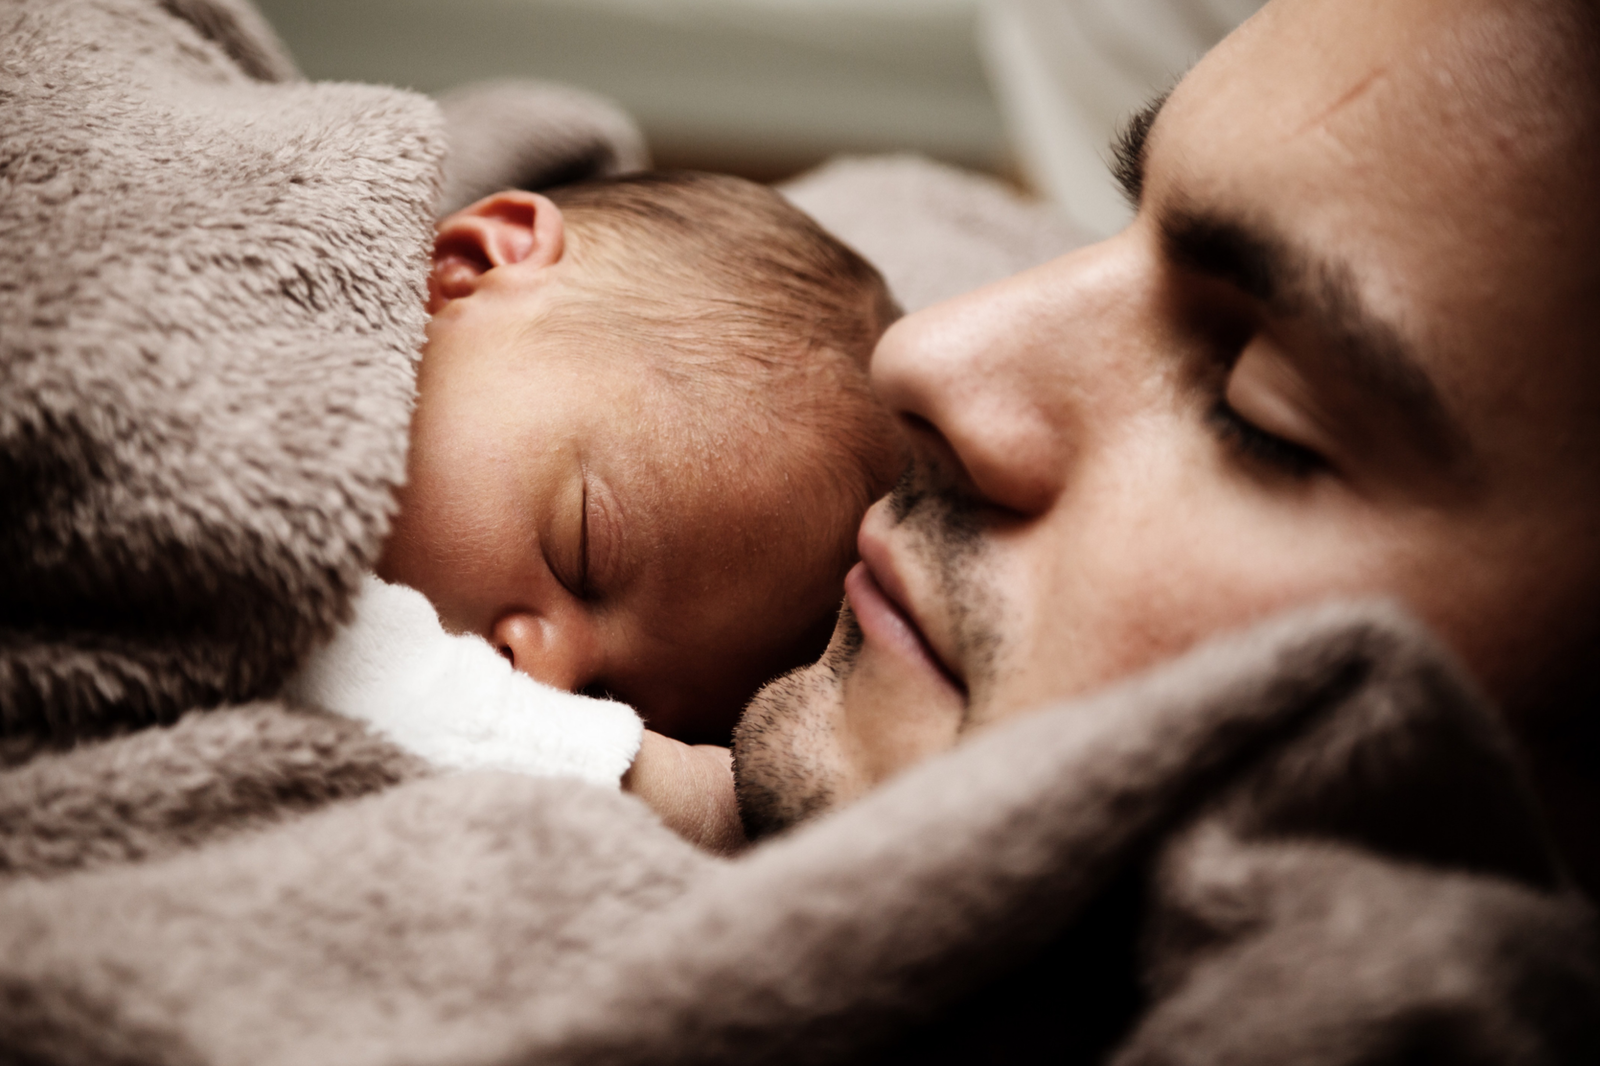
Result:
{"points": [[1311, 842]]}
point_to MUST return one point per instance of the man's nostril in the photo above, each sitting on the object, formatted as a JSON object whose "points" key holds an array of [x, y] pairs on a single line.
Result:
{"points": [[506, 653]]}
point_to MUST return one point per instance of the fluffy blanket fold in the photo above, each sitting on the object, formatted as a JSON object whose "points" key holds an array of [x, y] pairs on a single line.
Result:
{"points": [[1308, 843], [1270, 815], [212, 288]]}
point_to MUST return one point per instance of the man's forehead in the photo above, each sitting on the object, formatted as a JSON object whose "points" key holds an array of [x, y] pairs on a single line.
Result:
{"points": [[1458, 85], [1424, 151], [1409, 138]]}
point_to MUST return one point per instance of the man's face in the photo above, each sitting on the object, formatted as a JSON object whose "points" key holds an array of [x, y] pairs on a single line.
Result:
{"points": [[1345, 349]]}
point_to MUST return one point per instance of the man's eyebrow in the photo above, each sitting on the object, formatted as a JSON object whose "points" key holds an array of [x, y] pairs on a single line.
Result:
{"points": [[1130, 147], [1370, 352], [1250, 259]]}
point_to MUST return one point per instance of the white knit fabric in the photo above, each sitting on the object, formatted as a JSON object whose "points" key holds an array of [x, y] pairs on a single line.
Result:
{"points": [[454, 701]]}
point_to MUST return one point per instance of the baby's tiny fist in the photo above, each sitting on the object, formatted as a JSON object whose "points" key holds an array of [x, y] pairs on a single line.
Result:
{"points": [[691, 788]]}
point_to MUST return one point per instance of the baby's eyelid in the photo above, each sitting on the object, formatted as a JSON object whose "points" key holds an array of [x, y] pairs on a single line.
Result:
{"points": [[583, 541]]}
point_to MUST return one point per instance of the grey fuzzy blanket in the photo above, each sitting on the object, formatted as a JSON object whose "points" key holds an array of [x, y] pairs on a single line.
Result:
{"points": [[1310, 843]]}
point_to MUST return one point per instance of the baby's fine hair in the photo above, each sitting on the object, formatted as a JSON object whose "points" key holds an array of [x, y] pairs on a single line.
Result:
{"points": [[762, 318]]}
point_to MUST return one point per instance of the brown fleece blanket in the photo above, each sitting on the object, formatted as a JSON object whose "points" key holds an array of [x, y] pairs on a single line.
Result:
{"points": [[1310, 843]]}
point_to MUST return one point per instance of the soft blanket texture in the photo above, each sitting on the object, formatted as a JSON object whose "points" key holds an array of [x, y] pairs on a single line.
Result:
{"points": [[212, 278], [1310, 843], [529, 135], [1317, 831], [934, 231]]}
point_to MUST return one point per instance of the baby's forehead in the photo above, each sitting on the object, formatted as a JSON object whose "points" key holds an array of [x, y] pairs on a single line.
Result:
{"points": [[788, 425], [781, 448]]}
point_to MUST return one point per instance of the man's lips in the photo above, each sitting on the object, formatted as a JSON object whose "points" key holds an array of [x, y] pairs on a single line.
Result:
{"points": [[887, 624]]}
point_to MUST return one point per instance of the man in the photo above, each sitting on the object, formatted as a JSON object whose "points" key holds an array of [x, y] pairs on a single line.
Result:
{"points": [[1346, 347]]}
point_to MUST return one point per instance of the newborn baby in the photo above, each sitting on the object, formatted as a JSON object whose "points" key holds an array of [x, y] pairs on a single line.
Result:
{"points": [[642, 445]]}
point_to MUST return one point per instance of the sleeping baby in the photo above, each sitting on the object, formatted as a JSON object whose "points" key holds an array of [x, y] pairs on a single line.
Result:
{"points": [[642, 444]]}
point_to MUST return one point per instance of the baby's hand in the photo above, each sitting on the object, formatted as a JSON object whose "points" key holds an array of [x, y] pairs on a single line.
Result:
{"points": [[691, 788]]}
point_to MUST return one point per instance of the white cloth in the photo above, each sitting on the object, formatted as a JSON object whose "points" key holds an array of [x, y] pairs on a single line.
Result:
{"points": [[454, 701]]}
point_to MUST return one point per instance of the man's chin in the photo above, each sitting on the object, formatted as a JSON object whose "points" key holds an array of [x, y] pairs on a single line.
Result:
{"points": [[786, 758]]}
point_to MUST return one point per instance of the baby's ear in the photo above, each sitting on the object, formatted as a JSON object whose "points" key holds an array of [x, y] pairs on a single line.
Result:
{"points": [[506, 229]]}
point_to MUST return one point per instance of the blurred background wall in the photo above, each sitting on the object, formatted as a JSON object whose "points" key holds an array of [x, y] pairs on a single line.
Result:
{"points": [[1026, 89]]}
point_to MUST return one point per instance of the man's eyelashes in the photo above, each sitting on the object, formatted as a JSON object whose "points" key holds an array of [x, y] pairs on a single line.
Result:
{"points": [[1258, 446]]}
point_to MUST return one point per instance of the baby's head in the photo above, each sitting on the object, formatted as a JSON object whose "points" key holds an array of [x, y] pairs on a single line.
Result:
{"points": [[644, 438]]}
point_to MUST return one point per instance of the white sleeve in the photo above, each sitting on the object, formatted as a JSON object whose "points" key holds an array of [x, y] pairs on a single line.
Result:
{"points": [[454, 701]]}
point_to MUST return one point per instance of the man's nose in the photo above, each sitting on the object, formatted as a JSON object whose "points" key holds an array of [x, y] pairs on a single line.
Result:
{"points": [[560, 649], [1004, 376]]}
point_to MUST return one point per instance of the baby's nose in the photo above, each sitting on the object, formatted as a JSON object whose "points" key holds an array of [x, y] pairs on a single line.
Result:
{"points": [[559, 651]]}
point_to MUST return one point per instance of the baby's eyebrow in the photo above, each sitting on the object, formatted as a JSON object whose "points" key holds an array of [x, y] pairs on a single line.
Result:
{"points": [[1130, 147], [1294, 283]]}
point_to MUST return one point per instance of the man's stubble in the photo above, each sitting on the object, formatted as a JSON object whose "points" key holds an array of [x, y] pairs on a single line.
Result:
{"points": [[786, 747]]}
